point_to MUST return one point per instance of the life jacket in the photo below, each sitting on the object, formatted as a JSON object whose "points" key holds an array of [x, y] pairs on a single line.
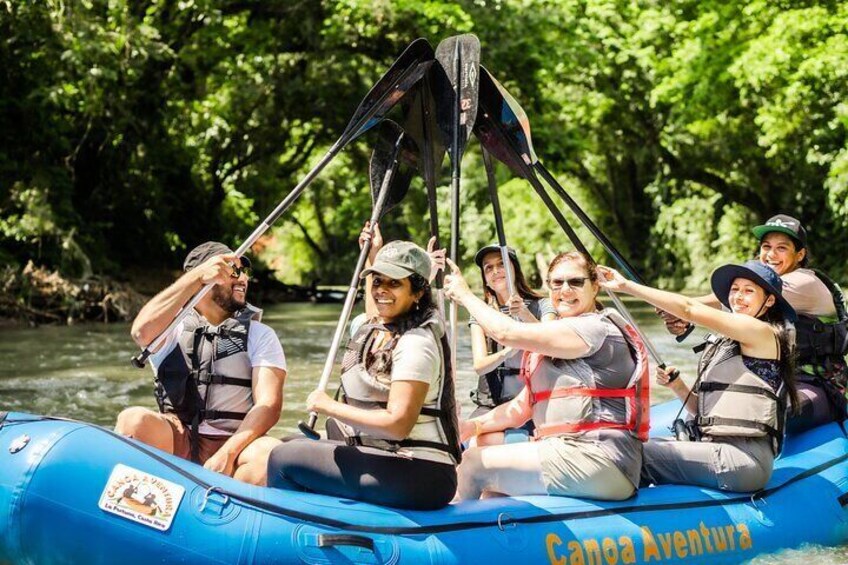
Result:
{"points": [[501, 384], [822, 347], [362, 388], [573, 398], [208, 375], [732, 400]]}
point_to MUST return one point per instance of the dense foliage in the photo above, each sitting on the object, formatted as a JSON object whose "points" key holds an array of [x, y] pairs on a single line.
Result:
{"points": [[130, 131]]}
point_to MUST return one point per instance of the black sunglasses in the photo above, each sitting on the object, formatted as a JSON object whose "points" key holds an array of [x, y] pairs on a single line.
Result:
{"points": [[237, 271], [575, 283]]}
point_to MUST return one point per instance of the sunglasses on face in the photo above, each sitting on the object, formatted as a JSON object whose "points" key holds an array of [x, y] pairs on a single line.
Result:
{"points": [[576, 283], [237, 271]]}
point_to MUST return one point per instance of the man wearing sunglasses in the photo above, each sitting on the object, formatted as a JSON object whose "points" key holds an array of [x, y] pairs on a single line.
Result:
{"points": [[219, 375]]}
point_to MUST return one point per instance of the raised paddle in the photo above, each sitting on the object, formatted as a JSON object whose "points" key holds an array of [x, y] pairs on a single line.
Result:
{"points": [[517, 127], [404, 73], [456, 110], [391, 172], [503, 129], [496, 209], [422, 126]]}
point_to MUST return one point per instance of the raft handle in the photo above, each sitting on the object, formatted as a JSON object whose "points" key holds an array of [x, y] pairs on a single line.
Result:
{"points": [[224, 498], [331, 540], [505, 520]]}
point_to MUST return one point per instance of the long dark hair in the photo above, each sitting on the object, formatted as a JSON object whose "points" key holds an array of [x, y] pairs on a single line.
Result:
{"points": [[522, 287], [380, 361], [788, 355]]}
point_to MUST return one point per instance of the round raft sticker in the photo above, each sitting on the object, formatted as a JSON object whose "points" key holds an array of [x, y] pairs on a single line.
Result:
{"points": [[141, 497]]}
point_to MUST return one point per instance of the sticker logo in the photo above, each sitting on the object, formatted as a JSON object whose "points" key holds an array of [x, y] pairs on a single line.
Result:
{"points": [[141, 497]]}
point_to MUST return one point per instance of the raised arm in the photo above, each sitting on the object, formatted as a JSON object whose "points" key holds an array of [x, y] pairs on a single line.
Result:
{"points": [[155, 316], [554, 339], [752, 333]]}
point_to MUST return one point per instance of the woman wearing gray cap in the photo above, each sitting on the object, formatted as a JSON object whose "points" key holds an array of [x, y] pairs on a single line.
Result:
{"points": [[396, 410], [497, 367], [746, 372]]}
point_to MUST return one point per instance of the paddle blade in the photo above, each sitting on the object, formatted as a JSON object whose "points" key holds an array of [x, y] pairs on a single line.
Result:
{"points": [[421, 125], [388, 154], [456, 88], [404, 73], [503, 128]]}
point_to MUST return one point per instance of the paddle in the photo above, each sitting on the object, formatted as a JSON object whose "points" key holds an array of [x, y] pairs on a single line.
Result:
{"points": [[517, 126], [456, 110], [422, 126], [499, 229], [391, 173], [503, 129], [404, 73]]}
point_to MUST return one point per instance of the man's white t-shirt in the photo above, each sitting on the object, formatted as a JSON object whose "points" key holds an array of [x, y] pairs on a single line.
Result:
{"points": [[263, 348]]}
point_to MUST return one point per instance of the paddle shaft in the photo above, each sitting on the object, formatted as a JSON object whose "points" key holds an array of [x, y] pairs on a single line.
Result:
{"points": [[456, 175], [499, 229], [360, 122], [350, 299], [575, 240], [140, 359], [599, 235]]}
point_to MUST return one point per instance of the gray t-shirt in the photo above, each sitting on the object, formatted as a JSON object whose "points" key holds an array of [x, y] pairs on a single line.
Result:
{"points": [[611, 362]]}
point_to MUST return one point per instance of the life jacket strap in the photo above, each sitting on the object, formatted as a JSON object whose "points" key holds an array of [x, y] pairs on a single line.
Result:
{"points": [[214, 379], [578, 427], [743, 389], [565, 392], [394, 446], [737, 422], [221, 415]]}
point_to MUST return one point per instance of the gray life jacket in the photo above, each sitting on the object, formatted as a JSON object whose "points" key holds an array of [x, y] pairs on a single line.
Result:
{"points": [[208, 375], [361, 388], [566, 399], [501, 384], [732, 400]]}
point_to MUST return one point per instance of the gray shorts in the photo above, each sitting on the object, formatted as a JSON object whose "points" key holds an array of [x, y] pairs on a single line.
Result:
{"points": [[733, 464]]}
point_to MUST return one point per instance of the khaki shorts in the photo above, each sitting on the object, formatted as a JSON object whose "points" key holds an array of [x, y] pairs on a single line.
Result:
{"points": [[209, 445], [582, 469]]}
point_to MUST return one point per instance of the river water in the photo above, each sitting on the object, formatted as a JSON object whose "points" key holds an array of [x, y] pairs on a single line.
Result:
{"points": [[83, 372]]}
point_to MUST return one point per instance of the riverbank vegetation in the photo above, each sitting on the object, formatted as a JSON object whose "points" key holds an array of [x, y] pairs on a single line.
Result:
{"points": [[131, 131]]}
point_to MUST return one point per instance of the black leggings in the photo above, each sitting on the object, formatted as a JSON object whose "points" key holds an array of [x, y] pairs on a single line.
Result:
{"points": [[361, 473]]}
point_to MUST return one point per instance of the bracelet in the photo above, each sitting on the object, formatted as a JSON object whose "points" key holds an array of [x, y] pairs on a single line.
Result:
{"points": [[672, 376], [478, 428]]}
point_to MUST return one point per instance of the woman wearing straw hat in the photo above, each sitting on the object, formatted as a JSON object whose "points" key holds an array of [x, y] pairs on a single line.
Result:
{"points": [[737, 404]]}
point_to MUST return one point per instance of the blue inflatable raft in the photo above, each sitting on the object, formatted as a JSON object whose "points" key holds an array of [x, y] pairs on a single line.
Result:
{"points": [[72, 492]]}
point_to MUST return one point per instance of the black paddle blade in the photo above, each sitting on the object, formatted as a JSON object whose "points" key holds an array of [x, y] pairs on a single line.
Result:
{"points": [[456, 89], [387, 154], [404, 73], [421, 125], [503, 128]]}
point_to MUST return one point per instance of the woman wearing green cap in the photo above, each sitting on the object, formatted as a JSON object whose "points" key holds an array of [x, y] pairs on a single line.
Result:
{"points": [[821, 329], [746, 373], [396, 411], [497, 367]]}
